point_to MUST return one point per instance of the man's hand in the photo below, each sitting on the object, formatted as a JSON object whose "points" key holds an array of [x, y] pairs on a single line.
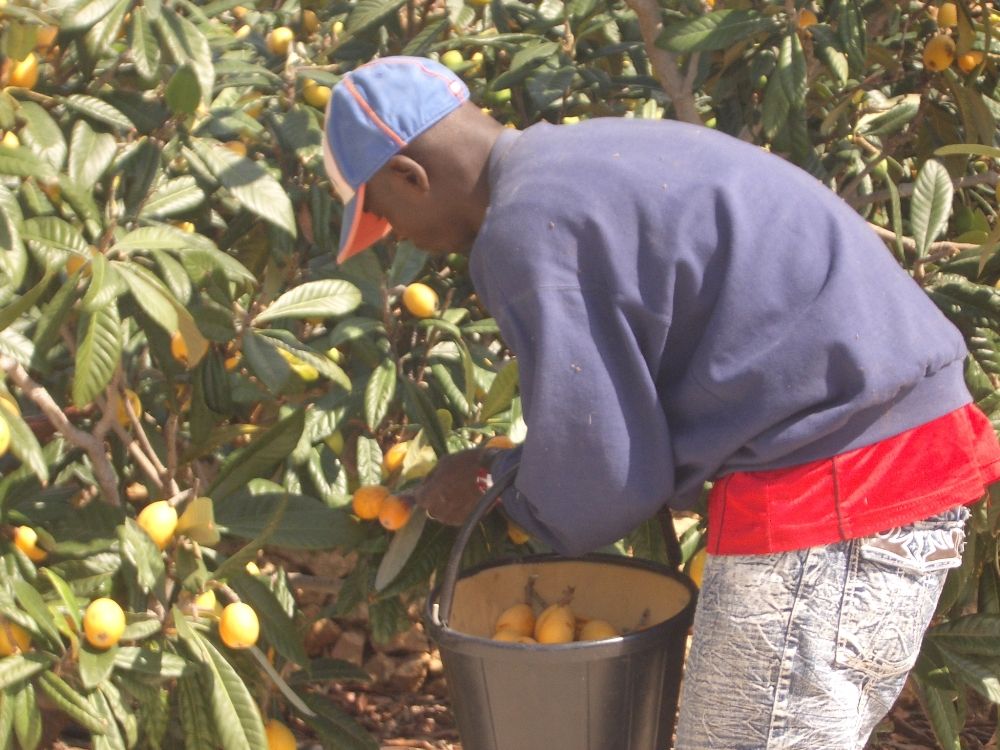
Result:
{"points": [[451, 490]]}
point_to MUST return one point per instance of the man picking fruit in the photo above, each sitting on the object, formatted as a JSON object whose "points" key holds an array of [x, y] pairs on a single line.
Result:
{"points": [[687, 308]]}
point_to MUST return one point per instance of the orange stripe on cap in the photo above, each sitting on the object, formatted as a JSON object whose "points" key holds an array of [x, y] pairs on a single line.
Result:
{"points": [[371, 113]]}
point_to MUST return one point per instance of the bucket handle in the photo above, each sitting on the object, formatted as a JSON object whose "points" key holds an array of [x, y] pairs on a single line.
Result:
{"points": [[441, 609]]}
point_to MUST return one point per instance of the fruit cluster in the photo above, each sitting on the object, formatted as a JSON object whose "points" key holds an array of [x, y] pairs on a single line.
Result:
{"points": [[556, 623]]}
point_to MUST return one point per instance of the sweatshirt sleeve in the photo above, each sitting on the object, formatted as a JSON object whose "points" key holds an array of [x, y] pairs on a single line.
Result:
{"points": [[597, 459]]}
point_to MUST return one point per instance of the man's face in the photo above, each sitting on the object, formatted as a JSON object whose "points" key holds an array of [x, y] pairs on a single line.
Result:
{"points": [[424, 217]]}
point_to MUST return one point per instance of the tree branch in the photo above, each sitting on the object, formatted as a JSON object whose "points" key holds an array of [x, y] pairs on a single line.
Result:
{"points": [[104, 473], [665, 63]]}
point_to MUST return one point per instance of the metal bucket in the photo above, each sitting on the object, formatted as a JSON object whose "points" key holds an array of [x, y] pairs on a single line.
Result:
{"points": [[614, 694]]}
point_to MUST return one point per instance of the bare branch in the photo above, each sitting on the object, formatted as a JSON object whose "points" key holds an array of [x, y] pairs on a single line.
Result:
{"points": [[664, 63], [104, 472]]}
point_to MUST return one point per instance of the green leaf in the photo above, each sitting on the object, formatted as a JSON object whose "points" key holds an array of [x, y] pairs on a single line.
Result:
{"points": [[54, 233], [337, 728], [276, 626], [971, 149], [712, 31], [90, 153], [368, 458], [939, 705], [195, 720], [142, 43], [379, 392], [149, 292], [501, 392], [892, 120], [314, 299], [140, 551], [234, 712], [99, 110], [26, 301], [13, 255], [95, 666], [183, 92], [85, 13], [18, 667], [252, 187], [71, 606], [791, 70], [977, 635], [42, 134], [422, 412], [100, 36], [329, 670], [261, 356], [981, 675], [187, 44], [98, 353], [107, 702], [401, 549], [33, 603], [774, 113], [930, 204], [173, 197], [366, 13], [306, 523], [161, 237], [70, 702], [21, 162], [258, 459], [27, 717], [150, 662]]}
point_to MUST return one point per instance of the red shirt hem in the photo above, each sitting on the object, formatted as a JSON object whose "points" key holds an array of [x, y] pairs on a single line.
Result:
{"points": [[919, 473]]}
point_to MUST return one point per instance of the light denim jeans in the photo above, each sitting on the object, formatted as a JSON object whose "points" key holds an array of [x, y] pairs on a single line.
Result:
{"points": [[809, 649]]}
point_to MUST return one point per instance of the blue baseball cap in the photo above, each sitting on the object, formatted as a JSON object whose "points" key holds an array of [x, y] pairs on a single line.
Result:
{"points": [[374, 113]]}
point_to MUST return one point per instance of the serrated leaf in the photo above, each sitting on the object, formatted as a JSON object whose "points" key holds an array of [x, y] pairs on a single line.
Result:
{"points": [[712, 31], [379, 392], [940, 708], [159, 238], [235, 715], [13, 255], [98, 353], [195, 721], [260, 458], [323, 299], [99, 110], [401, 548], [70, 702], [368, 460], [305, 524], [774, 113], [16, 346], [276, 626], [252, 187], [142, 43], [930, 204], [183, 93]]}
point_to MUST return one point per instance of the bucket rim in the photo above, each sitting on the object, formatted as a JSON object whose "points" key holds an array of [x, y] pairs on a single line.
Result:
{"points": [[449, 639]]}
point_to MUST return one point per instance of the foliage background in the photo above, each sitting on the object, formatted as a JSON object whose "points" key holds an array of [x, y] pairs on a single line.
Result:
{"points": [[165, 183]]}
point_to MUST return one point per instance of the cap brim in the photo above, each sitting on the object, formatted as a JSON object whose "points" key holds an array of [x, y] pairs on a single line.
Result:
{"points": [[359, 229]]}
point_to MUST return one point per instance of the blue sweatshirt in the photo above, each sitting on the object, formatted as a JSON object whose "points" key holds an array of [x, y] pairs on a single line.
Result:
{"points": [[684, 305]]}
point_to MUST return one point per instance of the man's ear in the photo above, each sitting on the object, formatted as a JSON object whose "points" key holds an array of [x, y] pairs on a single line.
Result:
{"points": [[404, 168]]}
